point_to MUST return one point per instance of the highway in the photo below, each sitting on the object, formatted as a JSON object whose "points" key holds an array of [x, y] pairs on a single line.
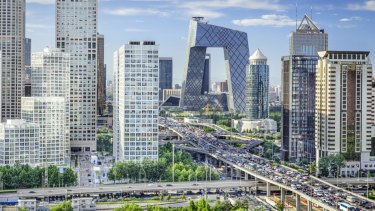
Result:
{"points": [[308, 187], [115, 188]]}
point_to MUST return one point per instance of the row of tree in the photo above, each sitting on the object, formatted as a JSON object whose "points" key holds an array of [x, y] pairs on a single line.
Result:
{"points": [[161, 170], [24, 176], [201, 205]]}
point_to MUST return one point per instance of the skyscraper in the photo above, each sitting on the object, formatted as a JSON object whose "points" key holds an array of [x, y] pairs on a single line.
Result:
{"points": [[136, 101], [12, 48], [206, 75], [257, 79], [236, 53], [101, 67], [27, 75], [49, 114], [76, 34], [51, 78], [27, 51], [343, 116], [298, 90], [165, 75]]}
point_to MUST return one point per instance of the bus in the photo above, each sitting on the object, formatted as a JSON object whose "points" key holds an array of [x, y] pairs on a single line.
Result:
{"points": [[346, 207]]}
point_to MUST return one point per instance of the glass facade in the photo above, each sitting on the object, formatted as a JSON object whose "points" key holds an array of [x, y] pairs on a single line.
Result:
{"points": [[102, 71], [12, 47], [298, 97], [165, 75], [76, 34], [257, 78], [136, 101], [236, 54]]}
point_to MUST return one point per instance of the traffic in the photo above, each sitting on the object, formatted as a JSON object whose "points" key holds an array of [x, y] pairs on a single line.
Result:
{"points": [[299, 182]]}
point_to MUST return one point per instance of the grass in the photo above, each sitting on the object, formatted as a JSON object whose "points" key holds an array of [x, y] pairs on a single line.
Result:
{"points": [[8, 191]]}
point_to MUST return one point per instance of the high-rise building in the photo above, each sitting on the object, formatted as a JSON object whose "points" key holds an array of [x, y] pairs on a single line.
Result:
{"points": [[49, 114], [12, 38], [76, 34], [343, 116], [257, 79], [196, 81], [27, 51], [135, 101], [206, 75], [165, 75], [51, 78], [101, 73], [19, 142], [298, 91]]}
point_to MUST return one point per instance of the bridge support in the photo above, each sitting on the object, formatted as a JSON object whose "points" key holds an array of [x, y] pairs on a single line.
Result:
{"points": [[238, 174], [298, 202], [309, 206], [231, 172], [268, 189], [246, 176], [282, 196]]}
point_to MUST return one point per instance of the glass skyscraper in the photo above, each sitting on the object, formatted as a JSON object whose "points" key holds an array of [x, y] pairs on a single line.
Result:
{"points": [[257, 78], [165, 75], [12, 66], [76, 34], [136, 101], [236, 53], [298, 90]]}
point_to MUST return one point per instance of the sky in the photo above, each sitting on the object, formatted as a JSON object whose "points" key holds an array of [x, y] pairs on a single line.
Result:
{"points": [[350, 25]]}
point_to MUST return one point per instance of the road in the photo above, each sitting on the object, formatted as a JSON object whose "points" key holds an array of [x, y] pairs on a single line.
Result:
{"points": [[313, 189], [146, 187]]}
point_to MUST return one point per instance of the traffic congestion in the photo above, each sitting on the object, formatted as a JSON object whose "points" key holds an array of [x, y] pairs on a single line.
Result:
{"points": [[300, 182]]}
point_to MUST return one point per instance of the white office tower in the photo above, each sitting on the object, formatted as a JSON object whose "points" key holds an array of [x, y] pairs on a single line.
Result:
{"points": [[135, 103], [76, 31], [51, 78], [49, 114], [19, 142], [343, 110], [12, 38]]}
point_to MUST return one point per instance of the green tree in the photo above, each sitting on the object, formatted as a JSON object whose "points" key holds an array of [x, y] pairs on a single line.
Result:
{"points": [[331, 164], [63, 206], [129, 207]]}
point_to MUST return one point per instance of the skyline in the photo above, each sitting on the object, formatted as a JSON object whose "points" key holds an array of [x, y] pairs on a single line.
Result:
{"points": [[267, 23]]}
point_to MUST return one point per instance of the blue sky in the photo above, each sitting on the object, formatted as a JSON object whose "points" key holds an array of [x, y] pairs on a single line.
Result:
{"points": [[350, 25]]}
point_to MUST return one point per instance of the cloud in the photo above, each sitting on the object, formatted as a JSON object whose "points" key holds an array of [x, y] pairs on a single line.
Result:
{"points": [[40, 1], [350, 19], [204, 13], [267, 20], [245, 4], [135, 12], [212, 8], [135, 30], [367, 5]]}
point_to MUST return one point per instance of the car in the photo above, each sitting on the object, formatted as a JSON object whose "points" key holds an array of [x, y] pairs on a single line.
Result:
{"points": [[31, 191], [169, 185], [195, 184]]}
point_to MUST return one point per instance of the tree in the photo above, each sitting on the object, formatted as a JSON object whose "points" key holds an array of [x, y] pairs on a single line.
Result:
{"points": [[129, 207], [63, 206], [279, 206], [331, 164], [168, 197]]}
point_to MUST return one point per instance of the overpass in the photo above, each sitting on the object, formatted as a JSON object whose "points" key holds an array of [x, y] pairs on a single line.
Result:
{"points": [[124, 188], [209, 145]]}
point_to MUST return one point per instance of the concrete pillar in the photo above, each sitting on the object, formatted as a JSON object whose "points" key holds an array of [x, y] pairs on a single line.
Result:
{"points": [[282, 196], [226, 169], [298, 202], [246, 176], [231, 172], [309, 206], [238, 173], [268, 189]]}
